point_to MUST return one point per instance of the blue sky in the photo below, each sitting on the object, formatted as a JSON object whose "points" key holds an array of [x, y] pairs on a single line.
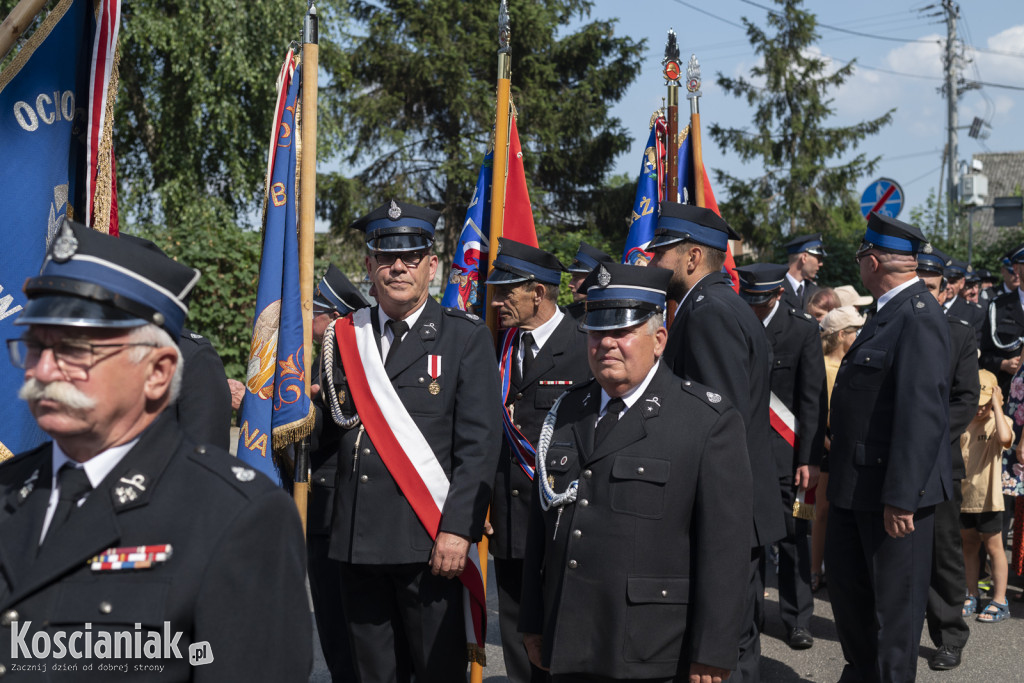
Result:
{"points": [[911, 43]]}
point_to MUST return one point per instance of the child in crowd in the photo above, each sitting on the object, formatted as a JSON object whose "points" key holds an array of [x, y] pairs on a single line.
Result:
{"points": [[981, 513]]}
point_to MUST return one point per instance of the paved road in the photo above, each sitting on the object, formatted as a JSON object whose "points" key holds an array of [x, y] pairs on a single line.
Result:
{"points": [[995, 652]]}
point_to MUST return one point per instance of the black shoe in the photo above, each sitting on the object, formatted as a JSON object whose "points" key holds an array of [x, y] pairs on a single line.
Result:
{"points": [[801, 639], [945, 658]]}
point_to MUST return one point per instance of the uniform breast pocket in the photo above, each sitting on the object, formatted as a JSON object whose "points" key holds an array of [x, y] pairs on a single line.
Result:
{"points": [[421, 394], [111, 601], [867, 369], [638, 485], [546, 396], [783, 361], [561, 463]]}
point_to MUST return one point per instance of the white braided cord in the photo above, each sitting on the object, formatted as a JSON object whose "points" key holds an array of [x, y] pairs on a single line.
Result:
{"points": [[327, 382], [548, 497], [1012, 346]]}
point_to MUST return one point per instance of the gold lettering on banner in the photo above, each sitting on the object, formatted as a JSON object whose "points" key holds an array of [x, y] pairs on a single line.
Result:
{"points": [[5, 305], [278, 194], [255, 441]]}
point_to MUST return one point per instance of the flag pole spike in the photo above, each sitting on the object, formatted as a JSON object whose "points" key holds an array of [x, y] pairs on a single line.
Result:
{"points": [[672, 72]]}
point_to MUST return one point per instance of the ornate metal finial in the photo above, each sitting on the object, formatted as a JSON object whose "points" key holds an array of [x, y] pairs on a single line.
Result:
{"points": [[693, 77], [671, 60], [504, 28]]}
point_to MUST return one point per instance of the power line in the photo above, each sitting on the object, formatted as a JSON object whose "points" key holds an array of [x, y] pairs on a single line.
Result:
{"points": [[713, 16], [999, 85], [845, 30]]}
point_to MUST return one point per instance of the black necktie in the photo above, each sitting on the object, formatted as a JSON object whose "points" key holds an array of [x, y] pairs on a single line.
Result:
{"points": [[526, 343], [73, 483], [398, 330], [800, 292], [611, 417]]}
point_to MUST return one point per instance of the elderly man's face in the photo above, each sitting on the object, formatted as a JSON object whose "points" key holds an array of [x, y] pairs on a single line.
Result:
{"points": [[518, 304], [398, 285], [75, 401], [620, 359]]}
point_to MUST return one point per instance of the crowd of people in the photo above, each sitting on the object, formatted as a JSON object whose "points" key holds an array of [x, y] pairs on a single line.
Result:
{"points": [[638, 460]]}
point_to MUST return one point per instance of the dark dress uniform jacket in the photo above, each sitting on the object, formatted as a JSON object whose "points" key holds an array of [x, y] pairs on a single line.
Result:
{"points": [[644, 573], [1009, 328], [562, 358], [236, 577], [791, 300], [964, 388], [890, 410], [798, 380], [718, 341], [373, 523], [973, 313], [204, 409]]}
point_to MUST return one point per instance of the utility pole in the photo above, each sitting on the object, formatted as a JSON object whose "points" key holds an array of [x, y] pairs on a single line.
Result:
{"points": [[952, 95]]}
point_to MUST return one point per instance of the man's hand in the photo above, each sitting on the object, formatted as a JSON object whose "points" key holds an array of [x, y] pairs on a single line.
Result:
{"points": [[1010, 365], [898, 523], [702, 673], [806, 476], [488, 529], [448, 557], [534, 644], [237, 390]]}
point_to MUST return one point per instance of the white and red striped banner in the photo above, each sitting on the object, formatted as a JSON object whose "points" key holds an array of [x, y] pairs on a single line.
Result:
{"points": [[104, 45], [782, 419], [404, 450]]}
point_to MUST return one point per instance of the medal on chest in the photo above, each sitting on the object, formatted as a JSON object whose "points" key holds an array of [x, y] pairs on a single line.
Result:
{"points": [[434, 368]]}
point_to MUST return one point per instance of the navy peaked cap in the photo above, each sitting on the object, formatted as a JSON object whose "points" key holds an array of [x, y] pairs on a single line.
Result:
{"points": [[683, 222], [517, 262], [398, 226], [335, 292]]}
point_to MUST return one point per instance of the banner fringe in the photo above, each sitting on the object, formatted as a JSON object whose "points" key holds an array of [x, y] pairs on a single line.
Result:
{"points": [[104, 166], [294, 431]]}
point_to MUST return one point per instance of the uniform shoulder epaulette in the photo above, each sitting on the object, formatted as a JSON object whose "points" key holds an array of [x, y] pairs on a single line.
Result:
{"points": [[802, 315], [918, 304], [961, 321], [705, 394], [233, 471], [195, 338], [465, 315]]}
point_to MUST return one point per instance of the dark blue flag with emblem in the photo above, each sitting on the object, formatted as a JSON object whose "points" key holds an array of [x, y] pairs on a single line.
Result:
{"points": [[470, 262], [276, 410], [38, 94], [645, 206]]}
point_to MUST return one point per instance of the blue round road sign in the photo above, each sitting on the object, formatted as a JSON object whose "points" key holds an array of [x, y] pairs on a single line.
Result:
{"points": [[884, 196]]}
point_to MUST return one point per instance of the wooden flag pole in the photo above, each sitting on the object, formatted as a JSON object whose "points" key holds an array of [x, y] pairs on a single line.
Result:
{"points": [[672, 73], [20, 18], [693, 94], [307, 219]]}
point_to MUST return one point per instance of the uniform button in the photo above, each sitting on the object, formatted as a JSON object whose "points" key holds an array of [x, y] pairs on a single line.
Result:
{"points": [[879, 461], [921, 493], [200, 449], [587, 474], [584, 503], [366, 451], [519, 426], [364, 479], [106, 607], [639, 470], [867, 358], [573, 564], [519, 396], [8, 617], [664, 594], [3, 669], [515, 492], [577, 534], [687, 383], [323, 480], [422, 380]]}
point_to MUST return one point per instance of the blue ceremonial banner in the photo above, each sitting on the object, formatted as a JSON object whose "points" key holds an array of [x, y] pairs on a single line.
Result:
{"points": [[276, 410], [470, 263], [687, 193], [645, 206], [37, 112]]}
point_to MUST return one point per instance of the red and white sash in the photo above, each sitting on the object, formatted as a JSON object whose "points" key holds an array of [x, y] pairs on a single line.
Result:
{"points": [[405, 452], [782, 419]]}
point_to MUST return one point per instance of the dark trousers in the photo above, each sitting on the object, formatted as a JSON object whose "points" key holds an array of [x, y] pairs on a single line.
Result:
{"points": [[944, 617], [508, 575], [328, 610], [402, 618], [796, 603], [879, 591], [749, 668]]}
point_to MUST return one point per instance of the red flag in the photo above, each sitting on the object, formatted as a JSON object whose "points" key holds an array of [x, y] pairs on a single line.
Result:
{"points": [[709, 199], [518, 222]]}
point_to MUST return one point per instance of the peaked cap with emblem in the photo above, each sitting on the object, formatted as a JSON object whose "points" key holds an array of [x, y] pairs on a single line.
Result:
{"points": [[620, 295], [760, 281], [1016, 255], [587, 258], [398, 226], [90, 279], [891, 235], [337, 293], [517, 262], [986, 275], [934, 262], [811, 244], [683, 222], [957, 269]]}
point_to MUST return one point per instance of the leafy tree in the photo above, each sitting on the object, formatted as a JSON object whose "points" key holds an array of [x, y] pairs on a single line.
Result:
{"points": [[418, 109], [801, 183]]}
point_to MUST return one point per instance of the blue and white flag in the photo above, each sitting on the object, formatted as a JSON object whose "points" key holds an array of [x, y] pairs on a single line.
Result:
{"points": [[37, 111], [645, 206], [276, 410], [469, 267]]}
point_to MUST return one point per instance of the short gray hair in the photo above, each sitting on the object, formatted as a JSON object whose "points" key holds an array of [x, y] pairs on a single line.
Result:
{"points": [[152, 334], [655, 321]]}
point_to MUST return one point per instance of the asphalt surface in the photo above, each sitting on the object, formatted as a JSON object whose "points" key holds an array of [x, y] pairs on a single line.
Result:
{"points": [[994, 652]]}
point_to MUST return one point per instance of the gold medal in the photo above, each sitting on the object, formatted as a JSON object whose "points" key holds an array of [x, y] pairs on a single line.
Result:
{"points": [[434, 388], [341, 396]]}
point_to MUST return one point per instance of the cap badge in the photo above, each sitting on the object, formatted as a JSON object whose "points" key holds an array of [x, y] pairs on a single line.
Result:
{"points": [[714, 398], [65, 244], [604, 278], [927, 248], [394, 213], [244, 473]]}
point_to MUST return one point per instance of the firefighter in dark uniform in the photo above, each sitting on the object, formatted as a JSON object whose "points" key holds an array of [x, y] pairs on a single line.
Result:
{"points": [[799, 409], [121, 528], [889, 464], [335, 297], [806, 254], [1003, 334], [716, 340], [638, 530], [957, 273], [437, 384], [587, 258], [542, 353], [944, 617]]}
